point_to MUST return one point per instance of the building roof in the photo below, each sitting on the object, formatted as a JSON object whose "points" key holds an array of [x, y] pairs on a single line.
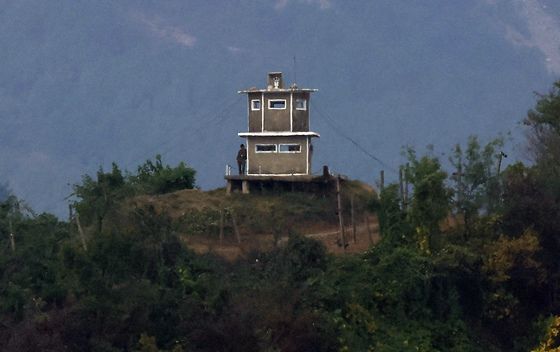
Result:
{"points": [[277, 90], [277, 134]]}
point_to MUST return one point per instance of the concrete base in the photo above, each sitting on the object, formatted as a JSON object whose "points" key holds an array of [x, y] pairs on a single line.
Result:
{"points": [[246, 184]]}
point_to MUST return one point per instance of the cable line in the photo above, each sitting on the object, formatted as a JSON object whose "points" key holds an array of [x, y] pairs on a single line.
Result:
{"points": [[215, 118], [331, 122]]}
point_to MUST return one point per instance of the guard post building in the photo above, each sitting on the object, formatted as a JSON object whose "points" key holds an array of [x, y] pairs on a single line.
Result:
{"points": [[278, 140]]}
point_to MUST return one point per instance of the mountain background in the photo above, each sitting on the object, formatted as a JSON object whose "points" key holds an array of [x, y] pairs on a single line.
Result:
{"points": [[84, 83]]}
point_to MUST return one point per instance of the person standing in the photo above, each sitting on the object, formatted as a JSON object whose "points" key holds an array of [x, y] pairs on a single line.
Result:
{"points": [[242, 159]]}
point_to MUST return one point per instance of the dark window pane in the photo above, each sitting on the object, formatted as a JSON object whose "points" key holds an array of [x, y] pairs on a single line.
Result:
{"points": [[277, 104], [266, 147], [286, 148]]}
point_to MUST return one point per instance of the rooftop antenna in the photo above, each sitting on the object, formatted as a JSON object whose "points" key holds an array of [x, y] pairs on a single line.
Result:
{"points": [[295, 71]]}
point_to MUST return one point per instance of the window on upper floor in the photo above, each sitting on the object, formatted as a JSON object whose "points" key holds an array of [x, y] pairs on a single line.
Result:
{"points": [[265, 148], [255, 104], [277, 104], [301, 104], [290, 148]]}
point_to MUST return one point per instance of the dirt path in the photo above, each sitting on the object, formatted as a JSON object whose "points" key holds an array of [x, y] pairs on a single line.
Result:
{"points": [[365, 237]]}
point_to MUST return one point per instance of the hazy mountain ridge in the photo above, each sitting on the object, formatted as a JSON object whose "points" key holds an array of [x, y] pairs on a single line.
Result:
{"points": [[83, 83]]}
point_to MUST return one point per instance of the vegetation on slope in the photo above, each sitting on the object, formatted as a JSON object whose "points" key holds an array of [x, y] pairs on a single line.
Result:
{"points": [[489, 282]]}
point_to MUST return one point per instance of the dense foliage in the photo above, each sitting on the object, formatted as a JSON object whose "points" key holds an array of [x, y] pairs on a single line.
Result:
{"points": [[98, 197], [469, 263]]}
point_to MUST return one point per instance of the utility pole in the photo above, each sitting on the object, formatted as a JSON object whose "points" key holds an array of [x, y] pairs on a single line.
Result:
{"points": [[70, 217], [401, 187], [405, 195], [500, 156], [498, 184], [81, 232], [368, 230], [381, 180], [342, 238], [352, 218], [12, 237], [221, 226], [235, 228], [459, 176]]}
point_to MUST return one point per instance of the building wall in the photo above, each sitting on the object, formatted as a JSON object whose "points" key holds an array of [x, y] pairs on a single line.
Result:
{"points": [[255, 116], [277, 163], [276, 120], [300, 117]]}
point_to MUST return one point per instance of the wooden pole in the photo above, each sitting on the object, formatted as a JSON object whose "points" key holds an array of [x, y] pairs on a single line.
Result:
{"points": [[502, 155], [70, 218], [382, 180], [12, 237], [221, 226], [235, 229], [405, 195], [369, 231], [401, 187], [342, 238], [352, 218], [81, 231]]}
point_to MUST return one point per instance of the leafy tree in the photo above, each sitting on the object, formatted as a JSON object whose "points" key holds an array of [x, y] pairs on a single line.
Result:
{"points": [[97, 197], [393, 225], [516, 274], [551, 341], [155, 178], [431, 199], [477, 178], [544, 137]]}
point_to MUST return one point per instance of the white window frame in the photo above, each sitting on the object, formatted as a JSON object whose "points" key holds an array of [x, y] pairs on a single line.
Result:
{"points": [[289, 151], [266, 151], [304, 104], [253, 104], [270, 104]]}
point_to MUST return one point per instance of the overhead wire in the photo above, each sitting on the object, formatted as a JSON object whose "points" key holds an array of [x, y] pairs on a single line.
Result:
{"points": [[337, 129], [189, 131], [216, 118], [221, 115]]}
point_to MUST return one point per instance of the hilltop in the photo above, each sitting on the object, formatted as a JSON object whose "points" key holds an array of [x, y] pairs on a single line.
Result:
{"points": [[211, 221]]}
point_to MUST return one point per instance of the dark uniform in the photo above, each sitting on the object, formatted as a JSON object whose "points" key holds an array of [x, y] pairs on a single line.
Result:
{"points": [[241, 159]]}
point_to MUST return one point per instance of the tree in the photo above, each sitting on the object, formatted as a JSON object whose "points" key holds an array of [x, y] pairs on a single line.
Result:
{"points": [[156, 178], [551, 341], [544, 136], [532, 196], [476, 178], [392, 219], [99, 196], [431, 198]]}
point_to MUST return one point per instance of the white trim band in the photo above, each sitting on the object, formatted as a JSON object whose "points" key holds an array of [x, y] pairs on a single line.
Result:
{"points": [[285, 175], [277, 134]]}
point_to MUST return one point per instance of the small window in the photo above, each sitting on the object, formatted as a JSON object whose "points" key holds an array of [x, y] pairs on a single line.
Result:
{"points": [[255, 104], [301, 104], [265, 148], [290, 148], [277, 104]]}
